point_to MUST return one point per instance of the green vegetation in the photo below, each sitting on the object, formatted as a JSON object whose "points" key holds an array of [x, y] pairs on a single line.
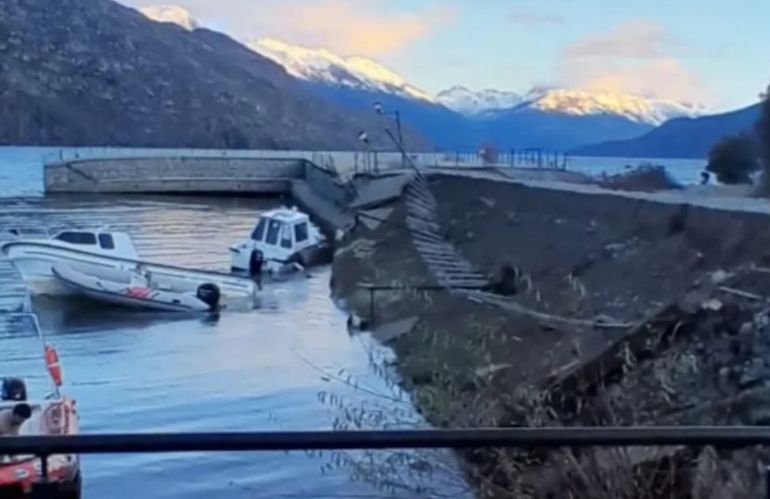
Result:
{"points": [[734, 159], [644, 177]]}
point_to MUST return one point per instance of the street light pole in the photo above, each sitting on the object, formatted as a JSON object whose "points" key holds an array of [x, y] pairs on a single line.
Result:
{"points": [[399, 131], [398, 128]]}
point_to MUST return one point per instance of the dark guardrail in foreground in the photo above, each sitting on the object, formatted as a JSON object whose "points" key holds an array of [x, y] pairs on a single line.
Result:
{"points": [[731, 437]]}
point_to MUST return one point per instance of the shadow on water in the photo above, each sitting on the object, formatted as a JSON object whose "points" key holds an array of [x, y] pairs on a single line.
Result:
{"points": [[80, 314]]}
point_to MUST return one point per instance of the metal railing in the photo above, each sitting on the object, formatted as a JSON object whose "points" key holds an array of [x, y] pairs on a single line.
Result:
{"points": [[534, 158], [523, 438]]}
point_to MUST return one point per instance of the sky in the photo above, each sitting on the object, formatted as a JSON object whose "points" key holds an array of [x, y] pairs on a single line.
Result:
{"points": [[713, 52]]}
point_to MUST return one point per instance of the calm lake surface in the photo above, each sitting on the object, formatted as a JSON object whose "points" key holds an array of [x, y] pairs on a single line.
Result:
{"points": [[143, 372]]}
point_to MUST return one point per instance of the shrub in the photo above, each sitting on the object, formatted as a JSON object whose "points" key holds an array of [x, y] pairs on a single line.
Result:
{"points": [[763, 137], [734, 159], [645, 177]]}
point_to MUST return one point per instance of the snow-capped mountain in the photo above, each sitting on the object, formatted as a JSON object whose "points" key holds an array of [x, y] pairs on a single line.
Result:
{"points": [[321, 65], [171, 14], [572, 102], [470, 102], [326, 67], [459, 118], [636, 108]]}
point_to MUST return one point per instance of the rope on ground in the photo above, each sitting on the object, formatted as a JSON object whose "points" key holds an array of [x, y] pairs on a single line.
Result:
{"points": [[741, 293], [499, 301]]}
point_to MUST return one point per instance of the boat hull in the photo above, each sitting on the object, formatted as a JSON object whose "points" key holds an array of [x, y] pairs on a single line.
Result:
{"points": [[35, 262], [37, 275], [106, 286], [307, 257]]}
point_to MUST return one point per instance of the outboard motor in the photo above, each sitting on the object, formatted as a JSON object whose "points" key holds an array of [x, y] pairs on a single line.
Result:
{"points": [[14, 389], [209, 294]]}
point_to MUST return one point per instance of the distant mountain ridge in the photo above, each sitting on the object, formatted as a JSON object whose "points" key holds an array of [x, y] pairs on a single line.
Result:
{"points": [[321, 65], [679, 138], [471, 103], [459, 118], [573, 102], [324, 66]]}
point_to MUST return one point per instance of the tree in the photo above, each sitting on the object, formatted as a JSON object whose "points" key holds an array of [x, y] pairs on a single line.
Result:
{"points": [[734, 159], [763, 136]]}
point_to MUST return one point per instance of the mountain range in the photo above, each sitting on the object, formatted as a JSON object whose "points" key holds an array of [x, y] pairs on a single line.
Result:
{"points": [[94, 72], [91, 72], [459, 118]]}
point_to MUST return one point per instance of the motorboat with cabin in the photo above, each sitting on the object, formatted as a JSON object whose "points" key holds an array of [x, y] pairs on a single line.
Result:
{"points": [[36, 394], [138, 288], [283, 239], [101, 250]]}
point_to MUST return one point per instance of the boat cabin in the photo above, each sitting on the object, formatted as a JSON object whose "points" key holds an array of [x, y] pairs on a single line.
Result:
{"points": [[283, 230], [116, 244]]}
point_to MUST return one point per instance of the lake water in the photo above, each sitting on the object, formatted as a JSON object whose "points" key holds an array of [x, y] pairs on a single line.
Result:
{"points": [[142, 372]]}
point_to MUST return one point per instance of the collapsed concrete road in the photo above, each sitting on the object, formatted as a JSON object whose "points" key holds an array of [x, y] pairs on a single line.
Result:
{"points": [[617, 310]]}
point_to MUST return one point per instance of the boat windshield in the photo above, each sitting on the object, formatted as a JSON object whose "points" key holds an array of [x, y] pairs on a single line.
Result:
{"points": [[286, 241], [84, 238], [259, 230], [300, 232], [272, 232]]}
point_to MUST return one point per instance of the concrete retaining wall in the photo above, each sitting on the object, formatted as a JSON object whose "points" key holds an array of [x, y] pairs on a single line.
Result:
{"points": [[325, 184], [182, 174]]}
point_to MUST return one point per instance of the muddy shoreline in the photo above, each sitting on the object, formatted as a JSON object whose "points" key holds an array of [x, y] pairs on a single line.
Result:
{"points": [[670, 290]]}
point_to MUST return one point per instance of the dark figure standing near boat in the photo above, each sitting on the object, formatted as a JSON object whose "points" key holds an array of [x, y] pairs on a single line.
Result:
{"points": [[256, 264]]}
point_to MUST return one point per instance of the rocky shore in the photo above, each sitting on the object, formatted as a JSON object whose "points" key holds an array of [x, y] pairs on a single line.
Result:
{"points": [[597, 309]]}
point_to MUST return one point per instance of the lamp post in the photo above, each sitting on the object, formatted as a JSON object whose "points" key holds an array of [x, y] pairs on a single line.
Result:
{"points": [[378, 109], [364, 137]]}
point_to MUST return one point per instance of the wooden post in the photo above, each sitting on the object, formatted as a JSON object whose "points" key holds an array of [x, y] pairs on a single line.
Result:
{"points": [[371, 305]]}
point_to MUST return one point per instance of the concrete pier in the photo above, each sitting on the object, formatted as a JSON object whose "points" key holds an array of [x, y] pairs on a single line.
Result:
{"points": [[323, 184], [181, 174]]}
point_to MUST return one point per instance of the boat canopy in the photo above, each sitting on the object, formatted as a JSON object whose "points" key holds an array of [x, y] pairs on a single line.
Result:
{"points": [[115, 243], [284, 229]]}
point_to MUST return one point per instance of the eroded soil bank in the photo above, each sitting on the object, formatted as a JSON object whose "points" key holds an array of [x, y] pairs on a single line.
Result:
{"points": [[623, 312]]}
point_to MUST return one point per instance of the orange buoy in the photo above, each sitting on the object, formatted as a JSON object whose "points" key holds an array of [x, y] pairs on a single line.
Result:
{"points": [[52, 361]]}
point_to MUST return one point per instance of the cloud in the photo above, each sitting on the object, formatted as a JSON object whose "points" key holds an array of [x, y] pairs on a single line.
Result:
{"points": [[635, 38], [349, 27], [637, 56], [354, 27], [663, 78], [529, 18]]}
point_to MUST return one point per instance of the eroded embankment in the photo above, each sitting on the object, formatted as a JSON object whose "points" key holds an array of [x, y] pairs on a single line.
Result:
{"points": [[623, 312]]}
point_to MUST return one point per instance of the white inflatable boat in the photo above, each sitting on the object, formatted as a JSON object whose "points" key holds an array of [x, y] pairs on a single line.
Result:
{"points": [[138, 288]]}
